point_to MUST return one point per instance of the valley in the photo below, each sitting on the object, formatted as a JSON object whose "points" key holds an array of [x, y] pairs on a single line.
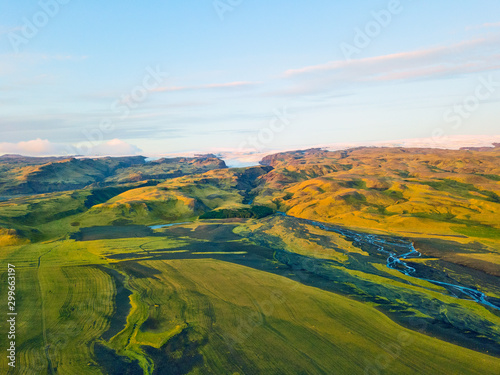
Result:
{"points": [[314, 262]]}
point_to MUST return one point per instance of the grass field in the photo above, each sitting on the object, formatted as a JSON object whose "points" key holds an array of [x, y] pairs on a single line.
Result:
{"points": [[98, 291], [168, 303]]}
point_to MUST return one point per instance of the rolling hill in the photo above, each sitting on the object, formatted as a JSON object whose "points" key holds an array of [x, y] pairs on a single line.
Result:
{"points": [[368, 260], [28, 175]]}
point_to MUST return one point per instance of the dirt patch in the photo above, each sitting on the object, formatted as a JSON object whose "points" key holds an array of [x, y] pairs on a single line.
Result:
{"points": [[137, 270], [210, 232], [151, 325], [477, 264], [112, 232], [114, 364], [122, 304], [455, 252], [436, 247], [180, 355], [254, 255]]}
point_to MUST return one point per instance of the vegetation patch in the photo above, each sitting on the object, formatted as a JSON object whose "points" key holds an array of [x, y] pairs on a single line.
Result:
{"points": [[355, 199], [452, 186], [356, 183], [98, 196], [481, 231], [395, 194], [256, 212], [493, 177]]}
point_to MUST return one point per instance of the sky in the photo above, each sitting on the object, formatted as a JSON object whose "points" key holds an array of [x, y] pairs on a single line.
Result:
{"points": [[245, 77]]}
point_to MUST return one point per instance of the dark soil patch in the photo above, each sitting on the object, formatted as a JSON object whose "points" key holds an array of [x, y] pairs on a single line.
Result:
{"points": [[436, 247], [179, 355], [441, 235], [151, 324], [112, 232], [256, 256], [137, 270], [122, 304], [114, 364], [450, 251], [214, 232]]}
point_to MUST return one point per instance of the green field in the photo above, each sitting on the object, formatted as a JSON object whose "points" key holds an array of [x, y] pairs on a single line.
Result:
{"points": [[248, 290], [166, 304]]}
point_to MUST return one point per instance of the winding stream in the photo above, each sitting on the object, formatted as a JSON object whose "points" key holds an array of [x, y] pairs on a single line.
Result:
{"points": [[168, 225], [397, 250], [396, 259]]}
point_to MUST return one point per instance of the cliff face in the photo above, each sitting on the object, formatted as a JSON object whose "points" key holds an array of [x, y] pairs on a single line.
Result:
{"points": [[294, 157], [166, 168], [28, 160], [495, 146]]}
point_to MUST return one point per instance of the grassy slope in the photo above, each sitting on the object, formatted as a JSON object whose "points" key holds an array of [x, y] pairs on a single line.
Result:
{"points": [[62, 305], [417, 193], [274, 325], [364, 275], [389, 188], [24, 176], [176, 199], [206, 299], [165, 168], [261, 323]]}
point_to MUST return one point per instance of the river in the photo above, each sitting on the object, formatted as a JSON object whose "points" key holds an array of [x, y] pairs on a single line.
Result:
{"points": [[396, 259]]}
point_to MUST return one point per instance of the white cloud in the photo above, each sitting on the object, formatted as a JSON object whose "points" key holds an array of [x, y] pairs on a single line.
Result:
{"points": [[452, 142], [212, 86], [23, 62], [469, 56], [236, 157], [115, 147], [36, 147], [487, 25], [243, 158], [43, 147], [434, 56]]}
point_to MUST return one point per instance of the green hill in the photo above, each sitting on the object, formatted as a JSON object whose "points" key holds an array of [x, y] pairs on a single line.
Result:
{"points": [[185, 266], [26, 176]]}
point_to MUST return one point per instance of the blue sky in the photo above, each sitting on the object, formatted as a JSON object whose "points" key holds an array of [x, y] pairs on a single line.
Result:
{"points": [[157, 77]]}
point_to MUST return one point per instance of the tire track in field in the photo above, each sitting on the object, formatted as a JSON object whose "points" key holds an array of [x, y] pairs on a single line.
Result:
{"points": [[44, 332]]}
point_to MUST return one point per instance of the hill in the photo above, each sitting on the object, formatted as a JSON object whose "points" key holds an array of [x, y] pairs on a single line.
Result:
{"points": [[401, 190], [369, 260], [27, 176]]}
